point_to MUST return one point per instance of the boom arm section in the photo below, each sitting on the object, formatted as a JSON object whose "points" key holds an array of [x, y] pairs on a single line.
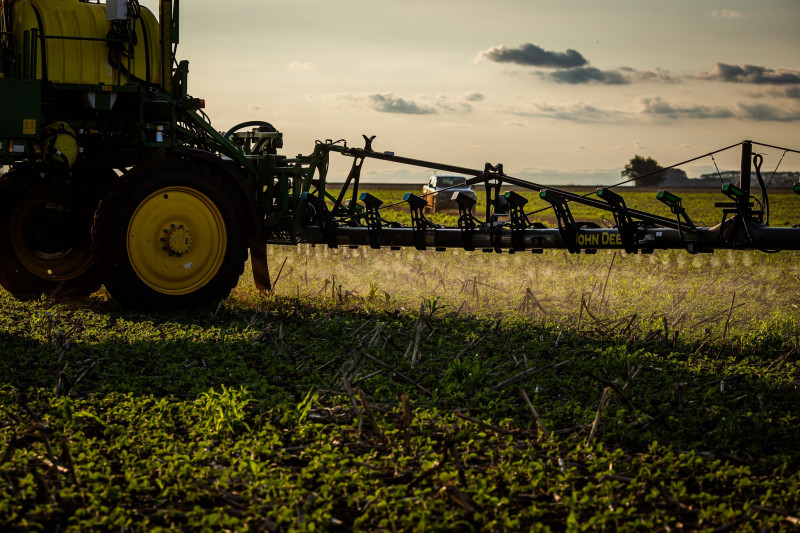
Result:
{"points": [[323, 219]]}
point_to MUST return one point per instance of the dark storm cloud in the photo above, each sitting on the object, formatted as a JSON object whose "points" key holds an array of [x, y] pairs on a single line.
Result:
{"points": [[388, 103], [755, 74], [529, 54]]}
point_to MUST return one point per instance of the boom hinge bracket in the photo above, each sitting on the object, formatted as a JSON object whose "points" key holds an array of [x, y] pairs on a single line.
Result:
{"points": [[419, 223], [567, 227], [467, 222], [518, 219], [622, 218], [372, 216]]}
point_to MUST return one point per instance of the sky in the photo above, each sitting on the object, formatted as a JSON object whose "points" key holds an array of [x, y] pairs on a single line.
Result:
{"points": [[558, 91]]}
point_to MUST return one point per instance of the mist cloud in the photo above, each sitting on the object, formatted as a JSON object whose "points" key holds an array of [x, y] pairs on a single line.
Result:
{"points": [[302, 66], [528, 54], [726, 14]]}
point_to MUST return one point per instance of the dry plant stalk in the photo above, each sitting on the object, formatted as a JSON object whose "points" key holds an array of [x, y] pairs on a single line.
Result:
{"points": [[603, 295], [480, 422], [526, 374], [349, 390], [398, 374], [460, 498], [368, 410], [596, 423], [420, 326], [529, 304], [274, 284], [405, 422], [728, 320], [539, 422]]}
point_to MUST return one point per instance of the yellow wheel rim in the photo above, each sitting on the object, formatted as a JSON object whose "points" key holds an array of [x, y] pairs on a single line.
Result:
{"points": [[176, 240]]}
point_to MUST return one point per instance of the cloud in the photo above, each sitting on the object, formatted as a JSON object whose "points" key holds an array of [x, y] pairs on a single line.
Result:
{"points": [[388, 103], [574, 112], [655, 107], [573, 68], [648, 76], [754, 74], [727, 14], [758, 112], [474, 96], [789, 92], [576, 76], [661, 107], [620, 76], [768, 113], [422, 105], [305, 66], [444, 104], [529, 54]]}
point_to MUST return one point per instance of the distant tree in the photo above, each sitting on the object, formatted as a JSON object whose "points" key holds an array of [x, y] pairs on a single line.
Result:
{"points": [[639, 166]]}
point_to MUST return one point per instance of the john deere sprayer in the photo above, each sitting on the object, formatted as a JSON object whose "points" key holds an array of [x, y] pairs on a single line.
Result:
{"points": [[115, 176]]}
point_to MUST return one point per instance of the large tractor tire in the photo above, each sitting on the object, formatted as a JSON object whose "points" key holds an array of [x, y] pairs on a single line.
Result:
{"points": [[170, 234], [45, 231]]}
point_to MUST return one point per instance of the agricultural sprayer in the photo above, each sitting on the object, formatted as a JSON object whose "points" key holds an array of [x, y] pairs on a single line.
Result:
{"points": [[117, 177]]}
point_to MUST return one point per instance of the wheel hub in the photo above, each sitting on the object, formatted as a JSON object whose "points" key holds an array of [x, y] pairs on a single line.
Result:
{"points": [[177, 240]]}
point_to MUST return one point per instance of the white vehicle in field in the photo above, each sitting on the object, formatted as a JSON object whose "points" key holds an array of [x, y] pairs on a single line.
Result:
{"points": [[439, 191]]}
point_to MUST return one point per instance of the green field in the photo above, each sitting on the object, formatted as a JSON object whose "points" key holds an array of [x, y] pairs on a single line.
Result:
{"points": [[403, 390]]}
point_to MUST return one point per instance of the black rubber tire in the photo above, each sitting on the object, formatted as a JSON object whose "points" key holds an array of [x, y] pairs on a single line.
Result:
{"points": [[118, 267], [45, 231]]}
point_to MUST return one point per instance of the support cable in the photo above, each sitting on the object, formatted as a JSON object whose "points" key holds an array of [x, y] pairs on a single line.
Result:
{"points": [[650, 173], [776, 169], [719, 175]]}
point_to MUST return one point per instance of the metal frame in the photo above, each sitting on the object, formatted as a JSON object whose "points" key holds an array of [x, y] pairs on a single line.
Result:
{"points": [[743, 226]]}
